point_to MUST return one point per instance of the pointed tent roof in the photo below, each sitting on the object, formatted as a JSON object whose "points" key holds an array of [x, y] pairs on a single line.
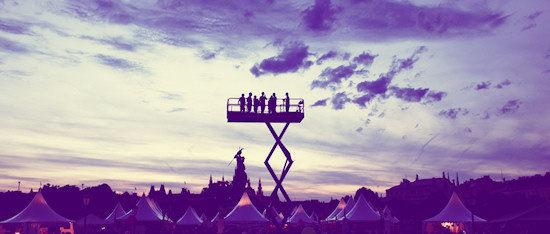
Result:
{"points": [[91, 219], [216, 217], [189, 218], [38, 211], [245, 211], [314, 216], [300, 215], [203, 217], [117, 212], [455, 211], [387, 215], [341, 205], [293, 211], [145, 212], [346, 210], [362, 211]]}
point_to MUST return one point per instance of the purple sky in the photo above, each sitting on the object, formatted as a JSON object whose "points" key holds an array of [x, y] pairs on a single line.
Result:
{"points": [[133, 93]]}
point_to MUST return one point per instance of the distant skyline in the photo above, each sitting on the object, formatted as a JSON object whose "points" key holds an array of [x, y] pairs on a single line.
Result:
{"points": [[133, 93]]}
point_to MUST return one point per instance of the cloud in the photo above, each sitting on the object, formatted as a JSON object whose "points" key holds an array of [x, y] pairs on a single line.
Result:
{"points": [[385, 18], [332, 77], [483, 85], [534, 15], [510, 107], [365, 58], [117, 43], [339, 100], [329, 55], [118, 63], [320, 16], [13, 26], [322, 102], [12, 46], [503, 83], [292, 58], [451, 113], [409, 94]]}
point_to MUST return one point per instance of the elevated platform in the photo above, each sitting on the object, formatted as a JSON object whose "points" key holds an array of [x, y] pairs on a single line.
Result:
{"points": [[295, 113]]}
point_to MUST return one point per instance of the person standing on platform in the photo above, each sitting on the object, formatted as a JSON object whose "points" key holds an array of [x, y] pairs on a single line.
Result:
{"points": [[262, 102], [270, 105], [274, 103], [287, 103], [242, 102], [249, 102], [256, 104]]}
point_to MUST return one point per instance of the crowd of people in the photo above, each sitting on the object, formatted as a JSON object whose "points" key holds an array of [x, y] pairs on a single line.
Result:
{"points": [[250, 103]]}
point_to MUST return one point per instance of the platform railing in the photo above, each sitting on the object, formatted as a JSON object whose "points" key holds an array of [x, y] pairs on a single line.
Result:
{"points": [[296, 105]]}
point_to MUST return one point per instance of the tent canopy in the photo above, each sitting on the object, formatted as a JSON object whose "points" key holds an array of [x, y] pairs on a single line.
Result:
{"points": [[341, 205], [189, 218], [117, 212], [38, 211], [362, 211], [300, 216], [145, 211], [245, 211], [455, 211], [346, 210]]}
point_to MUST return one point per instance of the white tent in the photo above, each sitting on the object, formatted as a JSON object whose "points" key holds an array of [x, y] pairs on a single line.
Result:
{"points": [[388, 216], [38, 211], [455, 211], [145, 211], [189, 218], [341, 205], [216, 217], [314, 216], [203, 217], [454, 216], [300, 216], [346, 210], [245, 211], [117, 212], [362, 211]]}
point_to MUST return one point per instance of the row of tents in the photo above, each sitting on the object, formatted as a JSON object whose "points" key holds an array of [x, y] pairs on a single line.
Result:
{"points": [[346, 216]]}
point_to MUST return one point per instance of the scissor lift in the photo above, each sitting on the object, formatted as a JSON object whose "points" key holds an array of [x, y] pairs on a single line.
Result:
{"points": [[295, 114]]}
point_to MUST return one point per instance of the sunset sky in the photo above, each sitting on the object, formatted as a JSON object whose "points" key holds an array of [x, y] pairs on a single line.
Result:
{"points": [[133, 93]]}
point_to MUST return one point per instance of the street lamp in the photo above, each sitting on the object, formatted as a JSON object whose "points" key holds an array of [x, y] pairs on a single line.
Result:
{"points": [[86, 201]]}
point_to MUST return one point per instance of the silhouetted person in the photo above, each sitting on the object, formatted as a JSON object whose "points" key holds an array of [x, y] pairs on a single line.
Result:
{"points": [[242, 102], [274, 103], [249, 102], [262, 102], [287, 102], [256, 104], [270, 105]]}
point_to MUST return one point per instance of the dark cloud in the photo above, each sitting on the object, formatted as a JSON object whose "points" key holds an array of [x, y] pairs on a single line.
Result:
{"points": [[452, 113], [322, 102], [502, 84], [434, 96], [403, 18], [377, 87], [320, 16], [207, 55], [534, 15], [483, 85], [117, 43], [339, 100], [291, 59], [12, 46], [118, 63], [510, 107], [176, 110], [329, 55], [365, 58], [409, 94], [333, 77]]}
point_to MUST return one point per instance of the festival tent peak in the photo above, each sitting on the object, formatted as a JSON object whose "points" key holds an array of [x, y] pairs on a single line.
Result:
{"points": [[190, 218], [117, 212], [145, 211], [362, 211], [204, 218], [454, 211], [388, 216], [300, 216], [216, 217], [341, 205], [38, 211], [245, 212], [346, 210]]}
